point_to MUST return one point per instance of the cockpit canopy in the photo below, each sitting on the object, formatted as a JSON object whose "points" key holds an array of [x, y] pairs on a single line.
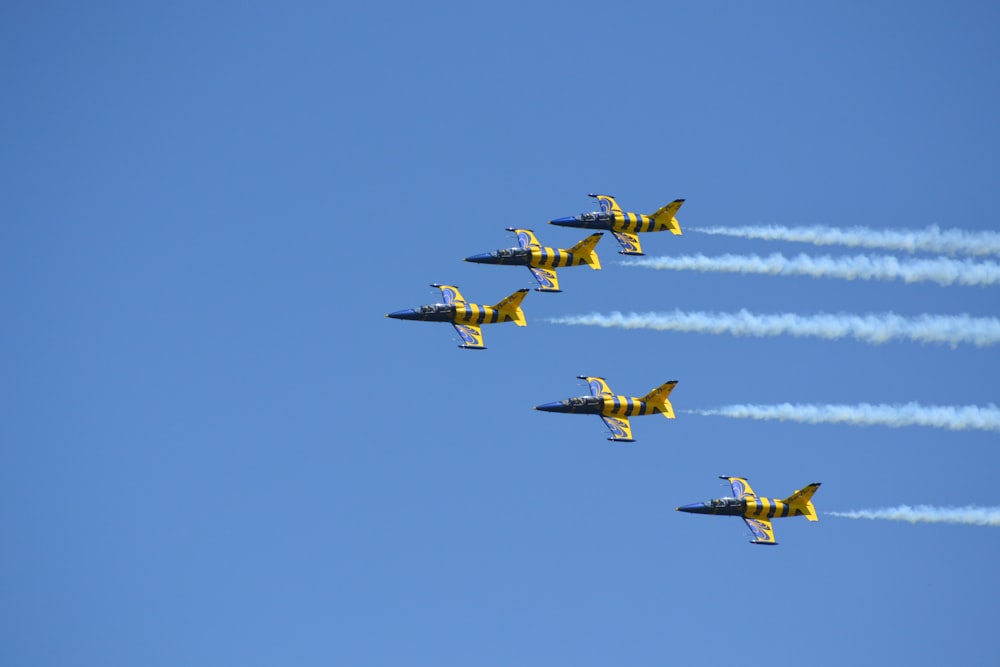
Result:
{"points": [[578, 401], [435, 308], [509, 252], [724, 502], [595, 215]]}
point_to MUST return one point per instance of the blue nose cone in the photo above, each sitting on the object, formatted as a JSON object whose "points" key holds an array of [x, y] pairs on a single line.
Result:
{"points": [[483, 258], [694, 508], [568, 221], [408, 314], [556, 406]]}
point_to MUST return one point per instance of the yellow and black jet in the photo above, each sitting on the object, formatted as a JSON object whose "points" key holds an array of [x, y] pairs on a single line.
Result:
{"points": [[625, 226], [467, 318], [615, 410], [757, 511], [542, 261]]}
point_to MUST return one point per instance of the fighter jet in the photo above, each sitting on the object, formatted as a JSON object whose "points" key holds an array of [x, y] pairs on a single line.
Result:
{"points": [[625, 226], [615, 410], [541, 261], [467, 317], [758, 512]]}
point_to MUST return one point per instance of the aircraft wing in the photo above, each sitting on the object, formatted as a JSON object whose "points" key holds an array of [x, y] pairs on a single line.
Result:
{"points": [[621, 430], [598, 387], [526, 238], [629, 243], [450, 294], [761, 529], [547, 280], [472, 336], [608, 203], [741, 487]]}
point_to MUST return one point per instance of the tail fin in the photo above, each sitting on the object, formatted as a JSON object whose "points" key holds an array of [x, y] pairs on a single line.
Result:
{"points": [[658, 398], [585, 251], [666, 216], [511, 307], [801, 500]]}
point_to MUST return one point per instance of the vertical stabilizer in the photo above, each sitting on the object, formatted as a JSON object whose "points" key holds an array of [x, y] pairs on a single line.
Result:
{"points": [[510, 308], [658, 399], [802, 500], [665, 216], [585, 251]]}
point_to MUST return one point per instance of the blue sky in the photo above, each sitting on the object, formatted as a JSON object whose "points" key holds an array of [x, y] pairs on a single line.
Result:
{"points": [[217, 450]]}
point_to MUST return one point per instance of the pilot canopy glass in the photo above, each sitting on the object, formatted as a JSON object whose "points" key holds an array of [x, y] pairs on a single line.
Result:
{"points": [[435, 308], [509, 252], [578, 401]]}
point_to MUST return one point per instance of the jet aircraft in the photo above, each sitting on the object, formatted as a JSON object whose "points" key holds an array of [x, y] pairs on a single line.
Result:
{"points": [[467, 317], [615, 410], [543, 261], [625, 226], [756, 511]]}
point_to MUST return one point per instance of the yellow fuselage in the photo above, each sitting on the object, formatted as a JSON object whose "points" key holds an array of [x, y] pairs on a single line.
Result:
{"points": [[636, 222], [473, 313], [553, 258], [769, 508], [626, 406]]}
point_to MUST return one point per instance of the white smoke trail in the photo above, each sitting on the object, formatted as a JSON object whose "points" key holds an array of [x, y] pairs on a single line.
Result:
{"points": [[931, 239], [954, 418], [971, 515], [941, 270], [876, 328]]}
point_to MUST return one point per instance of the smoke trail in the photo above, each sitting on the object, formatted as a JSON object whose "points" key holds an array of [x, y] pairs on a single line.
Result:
{"points": [[941, 270], [971, 515], [877, 328], [954, 418], [931, 239]]}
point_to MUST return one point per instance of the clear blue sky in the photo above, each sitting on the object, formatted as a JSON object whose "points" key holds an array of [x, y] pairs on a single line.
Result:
{"points": [[217, 450]]}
